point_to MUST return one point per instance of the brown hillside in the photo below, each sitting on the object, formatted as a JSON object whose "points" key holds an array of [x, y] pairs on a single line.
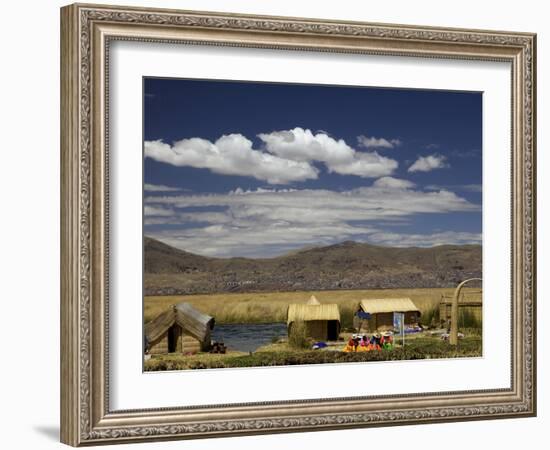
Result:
{"points": [[348, 265]]}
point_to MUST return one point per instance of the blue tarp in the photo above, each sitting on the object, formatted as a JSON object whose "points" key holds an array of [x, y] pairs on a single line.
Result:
{"points": [[363, 315], [319, 345]]}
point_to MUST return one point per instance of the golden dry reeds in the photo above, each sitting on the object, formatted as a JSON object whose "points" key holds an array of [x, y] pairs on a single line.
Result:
{"points": [[272, 306]]}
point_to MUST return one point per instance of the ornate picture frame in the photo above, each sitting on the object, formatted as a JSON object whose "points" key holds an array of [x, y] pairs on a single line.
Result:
{"points": [[86, 34]]}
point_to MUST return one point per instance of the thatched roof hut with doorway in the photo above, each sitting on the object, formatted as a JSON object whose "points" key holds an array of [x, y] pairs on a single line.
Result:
{"points": [[322, 321], [179, 329], [381, 312]]}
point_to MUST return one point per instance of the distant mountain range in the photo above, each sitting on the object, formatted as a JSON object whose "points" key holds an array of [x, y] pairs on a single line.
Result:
{"points": [[347, 265]]}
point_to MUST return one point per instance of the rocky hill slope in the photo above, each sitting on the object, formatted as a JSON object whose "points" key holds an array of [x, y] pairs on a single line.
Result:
{"points": [[347, 265]]}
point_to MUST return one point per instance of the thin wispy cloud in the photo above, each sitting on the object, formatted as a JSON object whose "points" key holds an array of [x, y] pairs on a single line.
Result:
{"points": [[374, 142], [148, 187], [263, 222], [455, 187], [393, 183], [472, 153], [158, 211], [427, 239]]}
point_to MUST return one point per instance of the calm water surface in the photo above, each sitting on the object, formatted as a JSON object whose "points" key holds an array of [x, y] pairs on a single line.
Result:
{"points": [[247, 337]]}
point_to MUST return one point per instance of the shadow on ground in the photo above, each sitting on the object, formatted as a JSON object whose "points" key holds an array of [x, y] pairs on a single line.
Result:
{"points": [[51, 432]]}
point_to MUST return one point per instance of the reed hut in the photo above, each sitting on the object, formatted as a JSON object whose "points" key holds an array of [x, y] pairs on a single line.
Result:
{"points": [[322, 321], [381, 311], [179, 329]]}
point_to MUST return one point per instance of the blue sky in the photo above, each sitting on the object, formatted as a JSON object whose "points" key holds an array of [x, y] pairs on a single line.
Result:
{"points": [[260, 169]]}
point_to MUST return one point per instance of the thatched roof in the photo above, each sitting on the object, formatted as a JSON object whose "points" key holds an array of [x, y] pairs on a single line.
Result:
{"points": [[386, 305], [307, 312], [313, 301], [192, 321], [156, 328]]}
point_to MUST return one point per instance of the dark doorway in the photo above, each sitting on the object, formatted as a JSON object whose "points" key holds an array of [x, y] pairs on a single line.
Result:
{"points": [[333, 330], [172, 339]]}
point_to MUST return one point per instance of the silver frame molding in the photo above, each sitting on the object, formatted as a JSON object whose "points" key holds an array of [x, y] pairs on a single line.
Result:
{"points": [[86, 31]]}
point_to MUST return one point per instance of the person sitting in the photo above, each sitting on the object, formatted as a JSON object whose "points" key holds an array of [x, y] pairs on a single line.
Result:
{"points": [[387, 342], [350, 346], [355, 341], [363, 344], [375, 342]]}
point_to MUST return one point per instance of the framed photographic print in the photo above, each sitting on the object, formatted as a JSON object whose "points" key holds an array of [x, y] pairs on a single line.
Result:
{"points": [[276, 224]]}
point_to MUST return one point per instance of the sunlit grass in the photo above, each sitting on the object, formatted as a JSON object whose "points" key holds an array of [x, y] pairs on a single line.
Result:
{"points": [[283, 355]]}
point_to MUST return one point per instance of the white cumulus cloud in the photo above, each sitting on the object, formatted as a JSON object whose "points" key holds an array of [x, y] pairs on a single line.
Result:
{"points": [[303, 145], [230, 155], [289, 157], [428, 163]]}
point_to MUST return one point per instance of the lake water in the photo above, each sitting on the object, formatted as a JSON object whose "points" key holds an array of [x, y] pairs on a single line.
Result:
{"points": [[247, 337]]}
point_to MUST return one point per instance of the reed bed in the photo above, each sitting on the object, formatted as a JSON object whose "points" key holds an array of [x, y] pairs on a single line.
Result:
{"points": [[266, 307]]}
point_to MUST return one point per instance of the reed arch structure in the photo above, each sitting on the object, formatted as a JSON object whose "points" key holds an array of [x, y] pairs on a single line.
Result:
{"points": [[453, 338]]}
